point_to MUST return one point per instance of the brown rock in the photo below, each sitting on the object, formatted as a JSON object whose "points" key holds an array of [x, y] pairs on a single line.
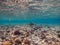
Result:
{"points": [[7, 43]]}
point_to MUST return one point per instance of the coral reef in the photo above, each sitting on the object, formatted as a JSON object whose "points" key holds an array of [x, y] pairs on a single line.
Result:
{"points": [[29, 35]]}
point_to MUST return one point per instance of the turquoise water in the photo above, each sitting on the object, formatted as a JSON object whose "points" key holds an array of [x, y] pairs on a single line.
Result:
{"points": [[28, 17], [50, 16]]}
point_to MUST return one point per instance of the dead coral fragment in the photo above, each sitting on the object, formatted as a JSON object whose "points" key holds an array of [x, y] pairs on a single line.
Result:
{"points": [[58, 35], [18, 41], [7, 43], [17, 32], [26, 41]]}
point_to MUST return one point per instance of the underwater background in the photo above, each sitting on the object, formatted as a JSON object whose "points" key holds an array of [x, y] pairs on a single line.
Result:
{"points": [[46, 12]]}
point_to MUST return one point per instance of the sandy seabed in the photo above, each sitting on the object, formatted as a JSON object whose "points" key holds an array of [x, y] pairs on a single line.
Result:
{"points": [[29, 35]]}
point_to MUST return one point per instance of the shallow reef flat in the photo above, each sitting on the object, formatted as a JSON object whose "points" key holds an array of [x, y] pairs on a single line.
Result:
{"points": [[29, 35]]}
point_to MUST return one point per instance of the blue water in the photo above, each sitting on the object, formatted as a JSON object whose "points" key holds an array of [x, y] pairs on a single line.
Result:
{"points": [[37, 21], [27, 16]]}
